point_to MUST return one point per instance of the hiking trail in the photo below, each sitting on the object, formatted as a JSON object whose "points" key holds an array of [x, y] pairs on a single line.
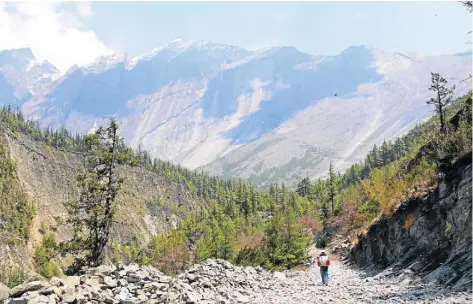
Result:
{"points": [[350, 285]]}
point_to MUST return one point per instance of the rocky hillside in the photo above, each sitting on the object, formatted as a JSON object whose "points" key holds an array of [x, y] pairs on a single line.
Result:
{"points": [[149, 203], [429, 236], [217, 281], [270, 115]]}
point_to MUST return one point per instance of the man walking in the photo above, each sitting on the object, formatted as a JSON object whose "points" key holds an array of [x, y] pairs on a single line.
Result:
{"points": [[323, 262]]}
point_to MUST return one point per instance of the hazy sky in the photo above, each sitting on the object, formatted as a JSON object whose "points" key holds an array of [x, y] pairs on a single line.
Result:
{"points": [[78, 32]]}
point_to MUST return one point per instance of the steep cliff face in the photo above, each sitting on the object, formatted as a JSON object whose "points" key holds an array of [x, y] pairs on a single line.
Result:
{"points": [[148, 203], [430, 236]]}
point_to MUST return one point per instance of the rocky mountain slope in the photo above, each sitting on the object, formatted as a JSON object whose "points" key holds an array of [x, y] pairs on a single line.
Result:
{"points": [[269, 115], [22, 76], [147, 204], [430, 236]]}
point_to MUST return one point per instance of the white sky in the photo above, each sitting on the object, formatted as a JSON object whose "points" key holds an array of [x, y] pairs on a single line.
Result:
{"points": [[52, 33]]}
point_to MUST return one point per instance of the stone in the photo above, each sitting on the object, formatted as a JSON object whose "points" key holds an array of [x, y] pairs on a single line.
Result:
{"points": [[92, 281], [109, 300], [68, 289], [132, 267], [30, 286], [81, 297], [191, 277], [20, 300], [103, 270], [122, 282], [53, 299], [192, 297], [142, 297], [112, 283], [68, 298], [55, 281], [242, 298], [4, 291], [38, 299], [50, 290], [71, 281], [133, 278]]}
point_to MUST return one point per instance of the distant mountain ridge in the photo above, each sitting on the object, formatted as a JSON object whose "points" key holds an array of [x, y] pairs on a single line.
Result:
{"points": [[22, 76], [275, 114]]}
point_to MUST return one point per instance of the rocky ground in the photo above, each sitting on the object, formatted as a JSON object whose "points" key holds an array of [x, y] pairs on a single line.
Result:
{"points": [[217, 281]]}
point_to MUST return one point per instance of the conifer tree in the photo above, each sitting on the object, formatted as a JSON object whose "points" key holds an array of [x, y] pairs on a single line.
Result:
{"points": [[332, 187], [303, 187], [91, 216], [443, 96]]}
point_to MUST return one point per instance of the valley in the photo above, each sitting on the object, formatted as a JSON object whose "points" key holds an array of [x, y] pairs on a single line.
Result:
{"points": [[224, 167]]}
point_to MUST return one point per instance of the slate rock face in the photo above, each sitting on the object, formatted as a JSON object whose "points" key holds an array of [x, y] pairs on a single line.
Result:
{"points": [[430, 236]]}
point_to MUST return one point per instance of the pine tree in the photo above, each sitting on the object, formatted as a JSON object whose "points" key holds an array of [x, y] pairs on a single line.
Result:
{"points": [[443, 96], [332, 187], [386, 153], [229, 244], [303, 187], [91, 216]]}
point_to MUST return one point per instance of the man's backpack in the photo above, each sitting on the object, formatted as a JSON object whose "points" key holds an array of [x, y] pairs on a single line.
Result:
{"points": [[324, 260]]}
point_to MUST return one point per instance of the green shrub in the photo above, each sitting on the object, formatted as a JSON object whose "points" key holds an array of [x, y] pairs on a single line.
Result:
{"points": [[44, 255], [13, 275]]}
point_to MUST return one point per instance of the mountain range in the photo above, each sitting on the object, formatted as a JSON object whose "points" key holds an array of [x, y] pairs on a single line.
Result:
{"points": [[275, 114]]}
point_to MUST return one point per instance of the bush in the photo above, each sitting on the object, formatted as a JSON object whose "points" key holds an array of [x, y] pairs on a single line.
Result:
{"points": [[13, 275], [169, 252], [44, 255]]}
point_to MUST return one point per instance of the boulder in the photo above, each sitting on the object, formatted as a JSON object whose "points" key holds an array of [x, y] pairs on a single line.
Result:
{"points": [[69, 297], [30, 286], [4, 291], [102, 270], [112, 283]]}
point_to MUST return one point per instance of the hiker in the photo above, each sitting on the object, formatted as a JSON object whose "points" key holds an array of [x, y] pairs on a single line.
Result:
{"points": [[323, 262]]}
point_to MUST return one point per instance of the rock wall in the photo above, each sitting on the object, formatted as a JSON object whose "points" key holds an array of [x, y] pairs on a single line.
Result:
{"points": [[431, 236]]}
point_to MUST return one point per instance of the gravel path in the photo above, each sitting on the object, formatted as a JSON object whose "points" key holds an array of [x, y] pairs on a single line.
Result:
{"points": [[347, 285]]}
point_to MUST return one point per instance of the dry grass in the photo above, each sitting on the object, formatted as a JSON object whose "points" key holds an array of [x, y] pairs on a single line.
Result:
{"points": [[250, 241], [354, 242], [300, 268], [310, 225]]}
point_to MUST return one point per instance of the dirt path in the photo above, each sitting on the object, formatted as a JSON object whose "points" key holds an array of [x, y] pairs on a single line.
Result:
{"points": [[348, 285]]}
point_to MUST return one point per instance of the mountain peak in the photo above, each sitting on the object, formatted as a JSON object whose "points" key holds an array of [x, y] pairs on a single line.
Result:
{"points": [[17, 57], [105, 62], [184, 43], [362, 48]]}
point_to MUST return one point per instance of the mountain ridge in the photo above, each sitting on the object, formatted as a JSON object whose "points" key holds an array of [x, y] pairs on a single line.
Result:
{"points": [[200, 104]]}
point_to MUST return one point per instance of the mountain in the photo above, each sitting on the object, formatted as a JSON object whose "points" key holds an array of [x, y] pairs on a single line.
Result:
{"points": [[275, 114], [22, 75]]}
